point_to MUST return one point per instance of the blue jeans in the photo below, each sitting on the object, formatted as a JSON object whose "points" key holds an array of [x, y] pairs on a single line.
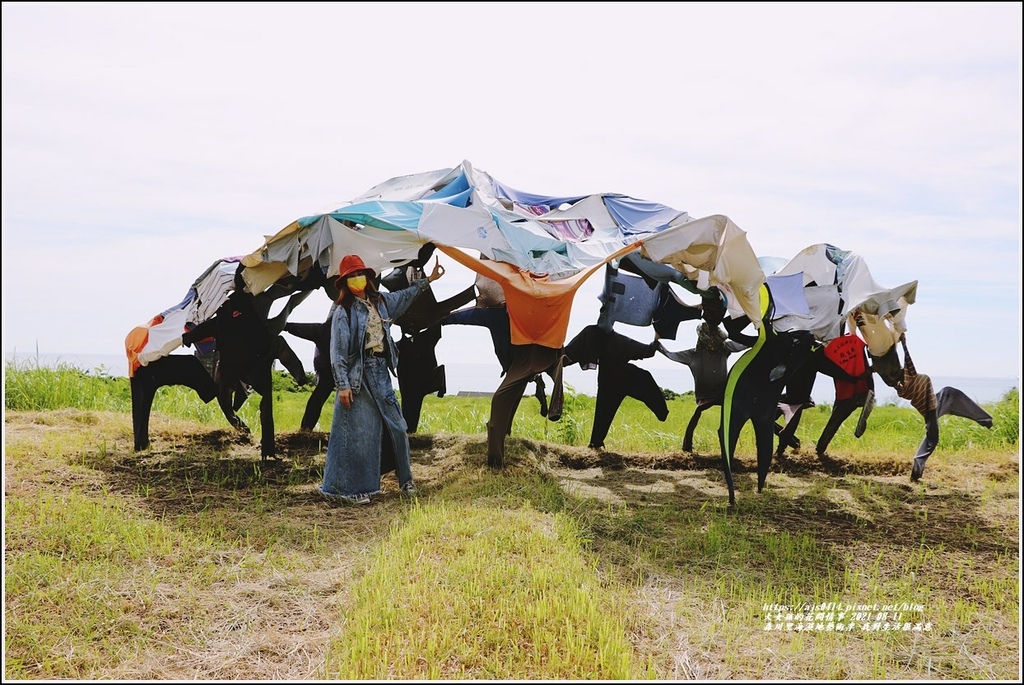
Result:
{"points": [[353, 449]]}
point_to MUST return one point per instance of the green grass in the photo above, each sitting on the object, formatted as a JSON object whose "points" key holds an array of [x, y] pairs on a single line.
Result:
{"points": [[30, 387], [81, 578], [483, 593], [197, 561], [33, 388]]}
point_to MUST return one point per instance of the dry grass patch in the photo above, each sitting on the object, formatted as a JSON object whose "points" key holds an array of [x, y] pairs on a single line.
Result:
{"points": [[197, 560]]}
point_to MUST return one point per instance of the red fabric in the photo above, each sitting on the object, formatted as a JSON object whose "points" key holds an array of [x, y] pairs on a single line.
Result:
{"points": [[350, 264], [848, 351]]}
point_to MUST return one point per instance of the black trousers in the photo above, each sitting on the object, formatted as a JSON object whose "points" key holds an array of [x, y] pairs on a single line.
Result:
{"points": [[418, 372], [614, 384], [841, 410], [526, 362], [175, 369]]}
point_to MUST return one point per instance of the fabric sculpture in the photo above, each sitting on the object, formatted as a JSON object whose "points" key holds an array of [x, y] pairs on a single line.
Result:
{"points": [[174, 369], [917, 389], [708, 362], [640, 301], [320, 335], [558, 240], [753, 388], [611, 353], [849, 352], [494, 317], [540, 248], [418, 371], [247, 347], [797, 393], [538, 313], [158, 338]]}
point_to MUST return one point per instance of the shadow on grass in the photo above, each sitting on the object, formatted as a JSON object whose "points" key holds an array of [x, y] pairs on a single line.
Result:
{"points": [[837, 503]]}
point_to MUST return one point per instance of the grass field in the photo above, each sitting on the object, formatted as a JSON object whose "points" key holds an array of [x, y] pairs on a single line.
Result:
{"points": [[196, 560]]}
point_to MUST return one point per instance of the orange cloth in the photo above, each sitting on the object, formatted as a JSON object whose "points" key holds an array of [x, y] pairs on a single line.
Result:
{"points": [[136, 342], [538, 308]]}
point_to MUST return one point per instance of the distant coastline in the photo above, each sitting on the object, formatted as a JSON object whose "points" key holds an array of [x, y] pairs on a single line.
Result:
{"points": [[485, 377]]}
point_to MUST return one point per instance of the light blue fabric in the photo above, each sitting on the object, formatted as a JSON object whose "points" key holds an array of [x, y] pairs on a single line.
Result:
{"points": [[788, 295], [354, 447], [387, 215], [457, 200], [770, 265], [457, 188], [533, 199], [640, 216]]}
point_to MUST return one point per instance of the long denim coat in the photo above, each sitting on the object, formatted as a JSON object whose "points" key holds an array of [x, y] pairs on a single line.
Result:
{"points": [[354, 446]]}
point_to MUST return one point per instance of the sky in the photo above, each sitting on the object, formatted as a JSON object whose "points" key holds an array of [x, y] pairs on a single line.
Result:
{"points": [[144, 141]]}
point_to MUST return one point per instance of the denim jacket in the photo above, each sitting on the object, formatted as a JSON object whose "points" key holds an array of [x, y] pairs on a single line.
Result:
{"points": [[348, 333]]}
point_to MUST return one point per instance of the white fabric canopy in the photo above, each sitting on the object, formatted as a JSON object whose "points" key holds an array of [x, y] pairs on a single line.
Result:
{"points": [[464, 207], [837, 282], [712, 251]]}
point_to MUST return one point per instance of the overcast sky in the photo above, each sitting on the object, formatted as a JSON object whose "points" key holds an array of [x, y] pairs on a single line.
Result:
{"points": [[142, 142]]}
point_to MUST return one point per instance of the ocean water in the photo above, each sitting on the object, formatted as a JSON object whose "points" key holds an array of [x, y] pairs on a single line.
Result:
{"points": [[467, 376]]}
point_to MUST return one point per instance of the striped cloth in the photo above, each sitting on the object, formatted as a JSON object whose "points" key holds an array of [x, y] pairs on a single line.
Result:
{"points": [[916, 387]]}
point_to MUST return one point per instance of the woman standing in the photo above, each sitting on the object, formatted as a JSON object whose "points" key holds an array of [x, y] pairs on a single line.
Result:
{"points": [[366, 409]]}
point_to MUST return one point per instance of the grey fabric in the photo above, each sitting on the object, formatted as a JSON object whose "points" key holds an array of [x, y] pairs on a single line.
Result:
{"points": [[951, 401], [489, 292], [709, 369], [823, 321], [954, 402]]}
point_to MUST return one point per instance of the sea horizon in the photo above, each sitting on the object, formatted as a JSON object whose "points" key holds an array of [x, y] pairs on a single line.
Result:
{"points": [[484, 377]]}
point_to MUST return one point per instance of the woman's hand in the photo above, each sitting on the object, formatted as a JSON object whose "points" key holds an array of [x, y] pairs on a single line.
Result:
{"points": [[437, 272], [345, 397]]}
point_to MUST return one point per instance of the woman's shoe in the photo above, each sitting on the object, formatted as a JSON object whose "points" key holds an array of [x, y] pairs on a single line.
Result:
{"points": [[362, 499]]}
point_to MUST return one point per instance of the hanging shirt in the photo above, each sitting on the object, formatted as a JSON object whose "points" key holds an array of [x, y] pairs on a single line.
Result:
{"points": [[628, 299], [848, 352], [538, 308], [879, 332]]}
